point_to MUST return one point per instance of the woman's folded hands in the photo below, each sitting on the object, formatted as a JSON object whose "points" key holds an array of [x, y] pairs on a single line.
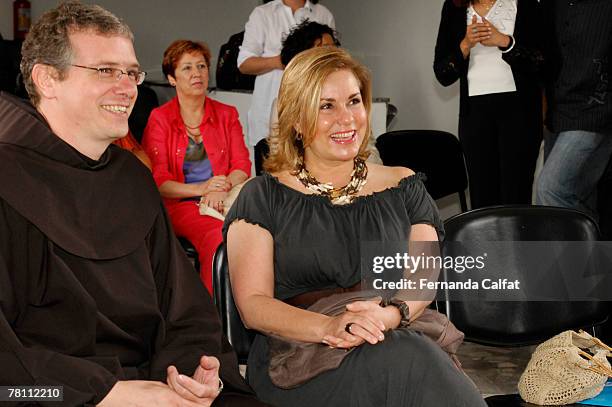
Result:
{"points": [[363, 321]]}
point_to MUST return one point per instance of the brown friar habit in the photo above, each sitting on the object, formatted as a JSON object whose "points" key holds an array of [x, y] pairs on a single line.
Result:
{"points": [[94, 288]]}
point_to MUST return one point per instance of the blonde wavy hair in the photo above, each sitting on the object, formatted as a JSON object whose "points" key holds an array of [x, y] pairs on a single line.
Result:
{"points": [[299, 99]]}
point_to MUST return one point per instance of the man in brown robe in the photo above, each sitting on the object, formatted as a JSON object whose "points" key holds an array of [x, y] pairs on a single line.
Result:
{"points": [[96, 295]]}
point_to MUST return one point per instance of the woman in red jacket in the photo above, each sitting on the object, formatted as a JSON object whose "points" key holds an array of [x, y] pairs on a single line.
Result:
{"points": [[197, 149]]}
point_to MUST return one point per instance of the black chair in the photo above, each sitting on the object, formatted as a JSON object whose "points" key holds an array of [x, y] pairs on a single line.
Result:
{"points": [[513, 323], [228, 76], [604, 202], [435, 153], [233, 328], [261, 151], [147, 101], [10, 74], [191, 252]]}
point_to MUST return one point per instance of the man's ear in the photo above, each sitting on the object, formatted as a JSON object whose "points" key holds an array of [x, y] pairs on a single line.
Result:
{"points": [[45, 79]]}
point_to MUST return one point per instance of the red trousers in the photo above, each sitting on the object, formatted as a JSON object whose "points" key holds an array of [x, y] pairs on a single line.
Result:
{"points": [[203, 232]]}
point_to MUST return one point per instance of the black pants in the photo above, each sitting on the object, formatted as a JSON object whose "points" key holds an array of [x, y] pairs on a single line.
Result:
{"points": [[501, 136]]}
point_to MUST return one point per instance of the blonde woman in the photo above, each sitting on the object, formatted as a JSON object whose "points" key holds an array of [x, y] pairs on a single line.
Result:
{"points": [[294, 235]]}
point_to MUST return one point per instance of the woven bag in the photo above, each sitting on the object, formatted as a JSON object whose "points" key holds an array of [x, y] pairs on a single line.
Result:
{"points": [[561, 371]]}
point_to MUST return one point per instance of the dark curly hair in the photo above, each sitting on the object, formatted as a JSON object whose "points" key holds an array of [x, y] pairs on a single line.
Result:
{"points": [[303, 37]]}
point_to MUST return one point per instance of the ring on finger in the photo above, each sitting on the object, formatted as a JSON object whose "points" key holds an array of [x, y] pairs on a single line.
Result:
{"points": [[220, 386], [474, 30], [348, 326]]}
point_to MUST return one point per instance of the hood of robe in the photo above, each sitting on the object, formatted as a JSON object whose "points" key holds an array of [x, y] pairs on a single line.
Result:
{"points": [[89, 208]]}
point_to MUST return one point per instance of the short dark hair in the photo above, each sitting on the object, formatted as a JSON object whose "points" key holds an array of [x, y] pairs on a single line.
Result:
{"points": [[303, 37], [177, 49], [48, 41]]}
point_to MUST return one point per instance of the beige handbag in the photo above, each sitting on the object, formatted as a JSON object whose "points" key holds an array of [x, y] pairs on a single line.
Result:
{"points": [[565, 369]]}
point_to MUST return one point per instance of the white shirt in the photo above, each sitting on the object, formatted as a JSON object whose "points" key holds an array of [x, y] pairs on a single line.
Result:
{"points": [[488, 72], [268, 24]]}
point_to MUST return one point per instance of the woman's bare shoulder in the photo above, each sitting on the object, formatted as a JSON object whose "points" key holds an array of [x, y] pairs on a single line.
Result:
{"points": [[388, 176]]}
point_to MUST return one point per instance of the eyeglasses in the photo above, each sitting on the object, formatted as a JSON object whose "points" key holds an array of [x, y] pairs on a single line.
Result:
{"points": [[109, 74]]}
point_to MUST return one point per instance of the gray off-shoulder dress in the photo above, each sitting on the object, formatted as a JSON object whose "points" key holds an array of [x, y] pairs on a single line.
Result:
{"points": [[317, 246]]}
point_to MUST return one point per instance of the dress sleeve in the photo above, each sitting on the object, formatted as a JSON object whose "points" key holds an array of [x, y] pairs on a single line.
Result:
{"points": [[154, 142], [420, 205], [252, 205], [254, 37], [449, 64]]}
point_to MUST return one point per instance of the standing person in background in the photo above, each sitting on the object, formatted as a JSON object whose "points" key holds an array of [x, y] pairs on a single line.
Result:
{"points": [[493, 48], [260, 53], [579, 95], [197, 149]]}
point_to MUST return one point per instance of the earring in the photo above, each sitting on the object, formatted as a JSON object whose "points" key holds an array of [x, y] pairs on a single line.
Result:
{"points": [[298, 137]]}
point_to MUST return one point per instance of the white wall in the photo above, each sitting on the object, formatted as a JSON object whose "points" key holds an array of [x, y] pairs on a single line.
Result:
{"points": [[396, 39], [156, 23]]}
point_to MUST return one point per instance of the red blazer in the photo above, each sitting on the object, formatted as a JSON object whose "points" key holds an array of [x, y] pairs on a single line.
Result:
{"points": [[165, 141]]}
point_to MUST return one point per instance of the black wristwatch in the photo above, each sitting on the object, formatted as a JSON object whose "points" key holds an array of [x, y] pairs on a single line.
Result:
{"points": [[403, 309]]}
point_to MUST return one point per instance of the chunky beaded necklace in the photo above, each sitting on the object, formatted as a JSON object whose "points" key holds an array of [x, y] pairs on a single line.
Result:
{"points": [[338, 196]]}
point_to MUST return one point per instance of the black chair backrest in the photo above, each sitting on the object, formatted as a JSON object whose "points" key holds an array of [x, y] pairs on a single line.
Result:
{"points": [[10, 75], [191, 252], [228, 76], [147, 101], [604, 202], [437, 154], [261, 152], [504, 323], [234, 329]]}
